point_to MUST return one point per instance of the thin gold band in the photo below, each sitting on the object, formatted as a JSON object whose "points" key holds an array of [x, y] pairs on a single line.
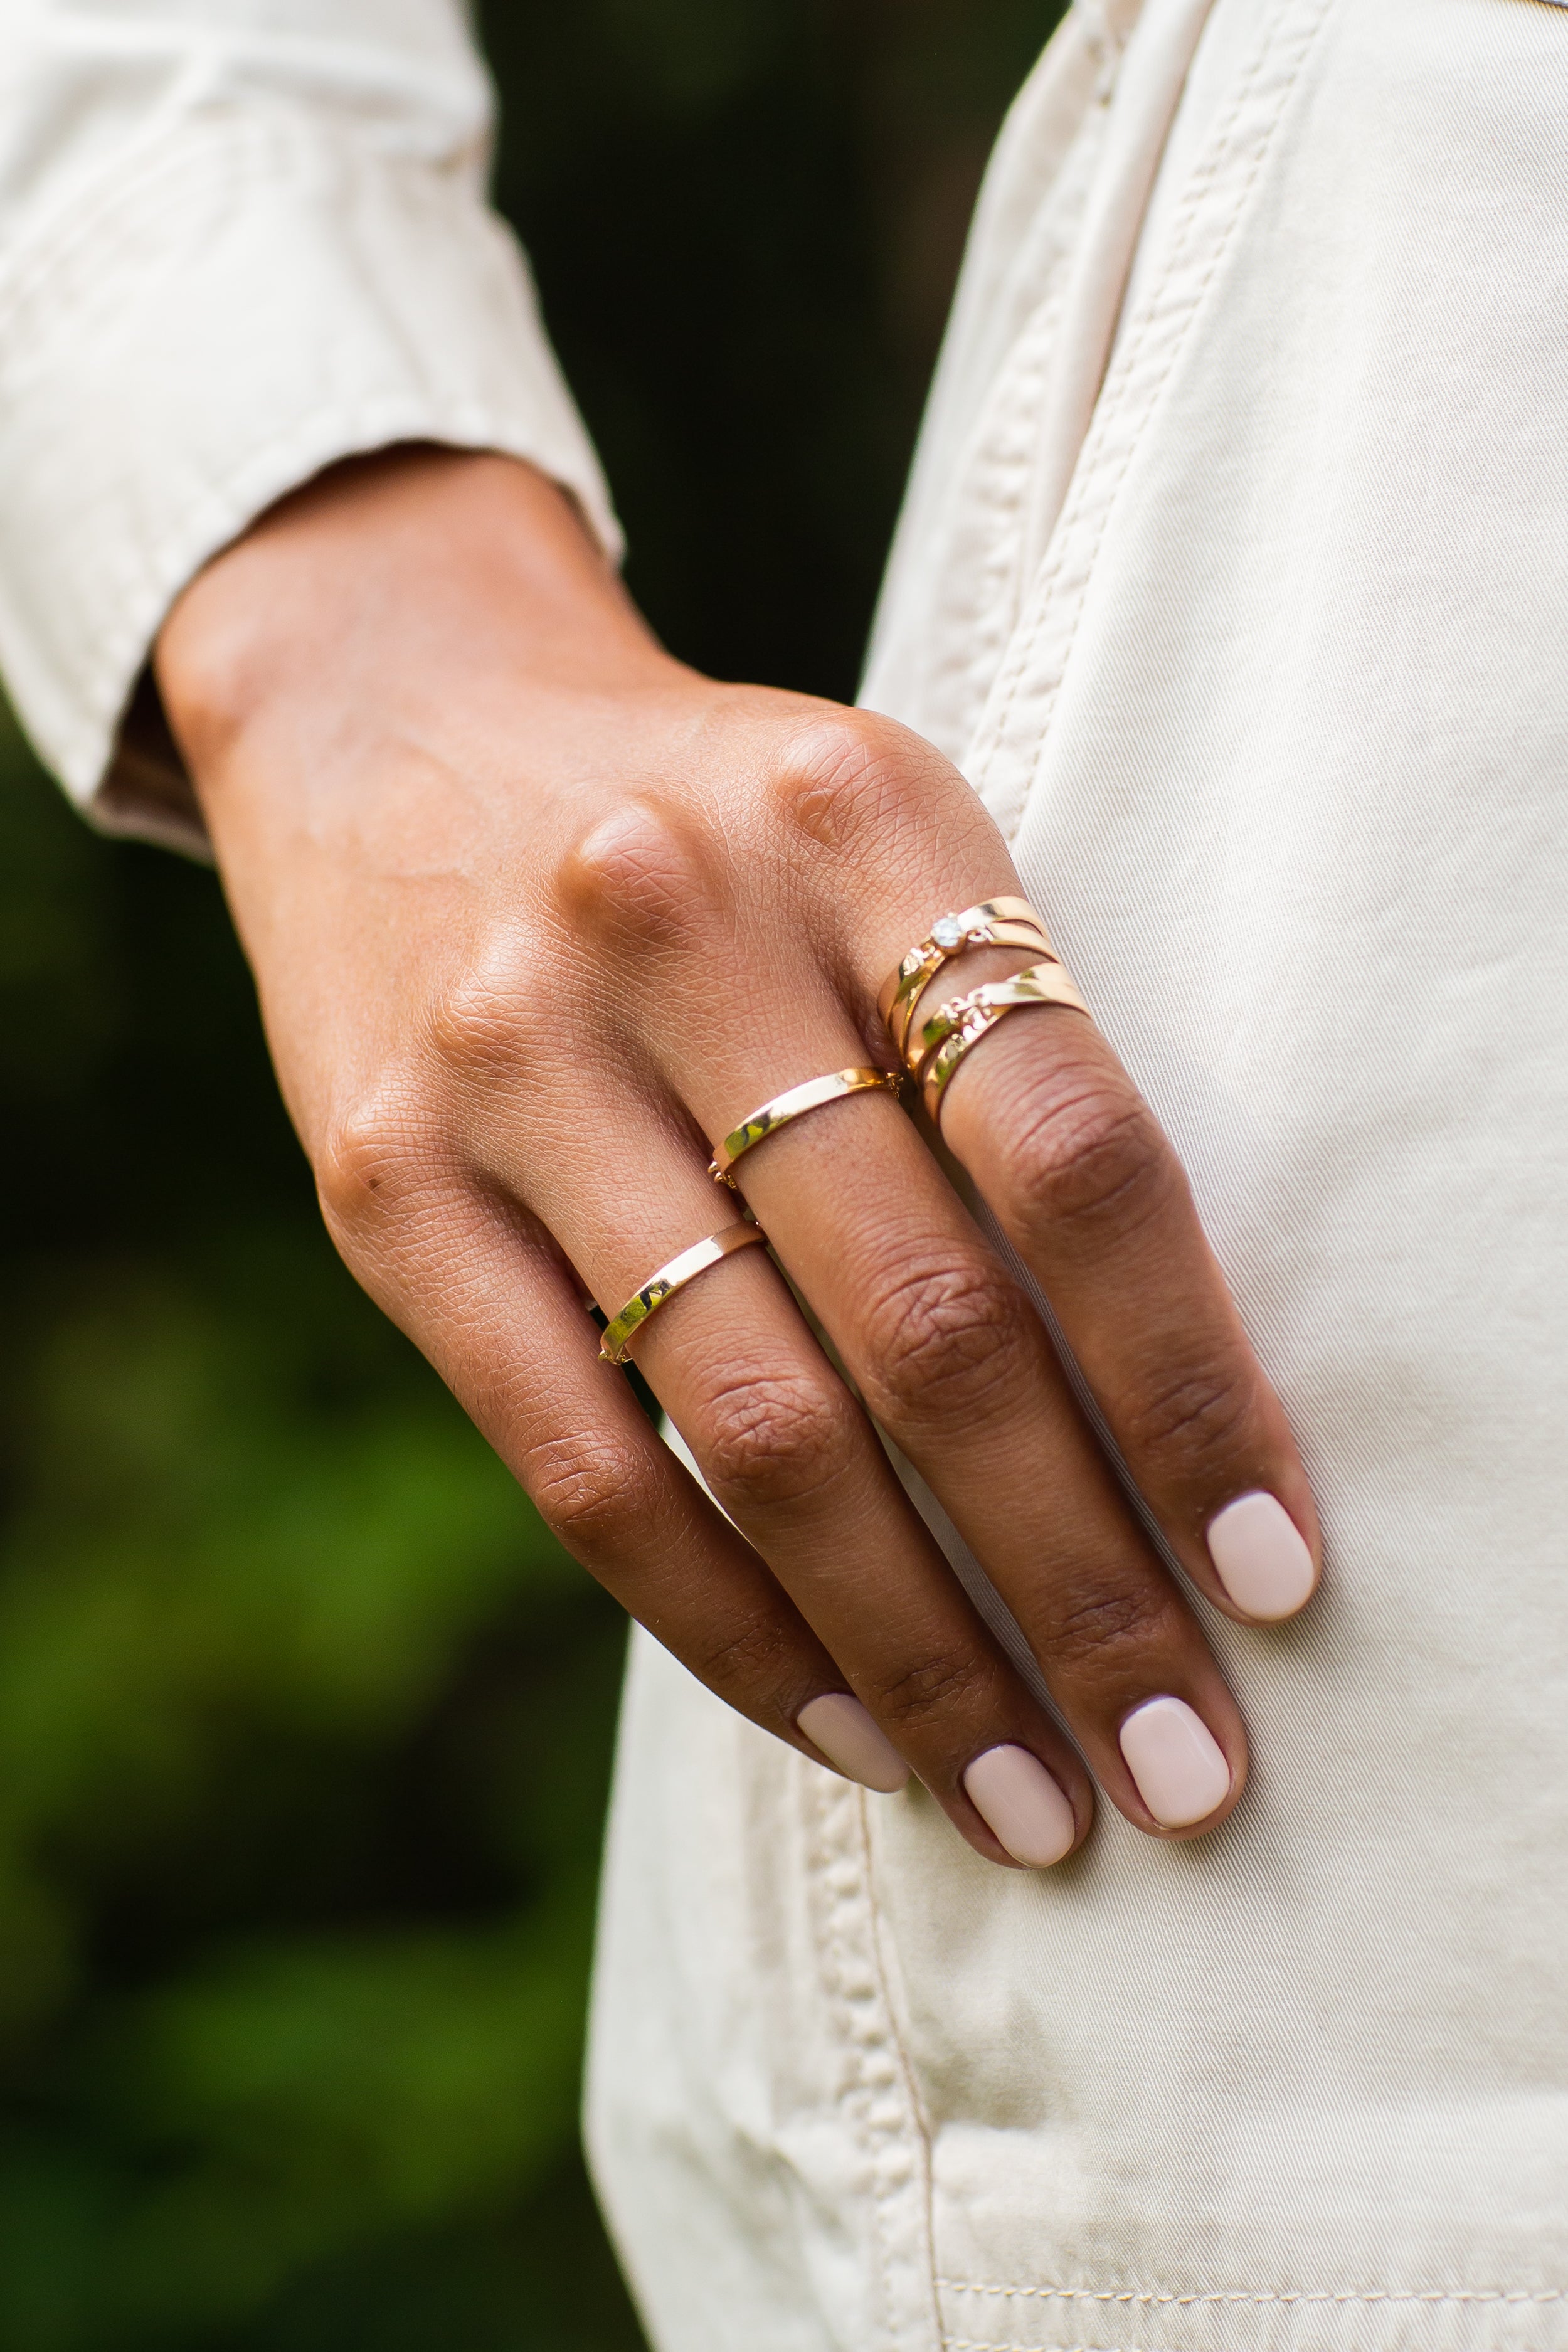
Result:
{"points": [[792, 1104], [994, 922], [961, 1023], [616, 1338], [1031, 935]]}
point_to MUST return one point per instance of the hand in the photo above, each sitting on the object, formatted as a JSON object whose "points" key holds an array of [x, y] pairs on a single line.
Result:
{"points": [[535, 912]]}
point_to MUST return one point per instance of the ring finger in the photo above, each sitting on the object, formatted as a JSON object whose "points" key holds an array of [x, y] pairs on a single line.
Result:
{"points": [[956, 1366]]}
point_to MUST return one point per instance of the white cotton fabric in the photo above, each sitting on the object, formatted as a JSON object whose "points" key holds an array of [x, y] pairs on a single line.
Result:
{"points": [[1259, 652], [238, 239]]}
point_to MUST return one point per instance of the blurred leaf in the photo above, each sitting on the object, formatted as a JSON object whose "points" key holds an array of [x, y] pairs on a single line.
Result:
{"points": [[690, 55], [331, 2088], [54, 982]]}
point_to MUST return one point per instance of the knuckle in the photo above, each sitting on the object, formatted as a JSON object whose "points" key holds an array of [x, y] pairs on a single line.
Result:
{"points": [[374, 1156], [771, 1439], [1082, 1149], [477, 1026], [939, 1683], [1189, 1419], [636, 878], [592, 1493], [843, 774], [1097, 1631], [854, 779], [756, 1654], [946, 1338]]}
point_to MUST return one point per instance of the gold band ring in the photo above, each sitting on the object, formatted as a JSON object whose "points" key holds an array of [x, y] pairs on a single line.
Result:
{"points": [[792, 1104], [994, 922], [962, 1023], [616, 1338]]}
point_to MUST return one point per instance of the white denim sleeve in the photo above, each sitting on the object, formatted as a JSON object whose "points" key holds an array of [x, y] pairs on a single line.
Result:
{"points": [[238, 239]]}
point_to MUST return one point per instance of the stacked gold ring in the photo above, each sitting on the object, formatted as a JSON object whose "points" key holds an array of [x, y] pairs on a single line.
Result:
{"points": [[962, 1023], [943, 1040], [994, 923], [673, 1275], [792, 1104]]}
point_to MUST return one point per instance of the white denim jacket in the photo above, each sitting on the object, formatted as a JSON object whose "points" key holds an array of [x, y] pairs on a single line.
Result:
{"points": [[238, 239], [1234, 575]]}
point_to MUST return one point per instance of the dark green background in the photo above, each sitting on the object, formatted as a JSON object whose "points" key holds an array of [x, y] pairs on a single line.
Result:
{"points": [[304, 1725]]}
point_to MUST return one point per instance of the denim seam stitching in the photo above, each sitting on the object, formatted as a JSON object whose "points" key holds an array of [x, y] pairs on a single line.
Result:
{"points": [[1090, 475], [1270, 2295]]}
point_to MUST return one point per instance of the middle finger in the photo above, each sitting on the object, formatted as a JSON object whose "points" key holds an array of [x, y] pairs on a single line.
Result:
{"points": [[955, 1364]]}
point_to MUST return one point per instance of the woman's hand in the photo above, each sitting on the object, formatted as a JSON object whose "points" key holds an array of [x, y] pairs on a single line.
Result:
{"points": [[536, 912]]}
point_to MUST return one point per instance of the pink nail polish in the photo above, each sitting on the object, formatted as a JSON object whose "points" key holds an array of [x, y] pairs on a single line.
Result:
{"points": [[1260, 1557], [1177, 1762], [849, 1737], [1015, 1796]]}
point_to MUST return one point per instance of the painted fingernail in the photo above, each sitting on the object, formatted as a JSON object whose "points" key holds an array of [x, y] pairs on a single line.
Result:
{"points": [[1176, 1760], [1015, 1796], [1260, 1557], [849, 1737]]}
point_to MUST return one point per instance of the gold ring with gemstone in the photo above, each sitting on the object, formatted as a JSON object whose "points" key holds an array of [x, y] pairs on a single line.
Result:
{"points": [[962, 1023], [792, 1104], [616, 1338], [994, 922]]}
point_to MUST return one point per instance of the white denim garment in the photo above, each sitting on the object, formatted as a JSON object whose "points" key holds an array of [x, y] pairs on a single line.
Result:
{"points": [[1235, 574]]}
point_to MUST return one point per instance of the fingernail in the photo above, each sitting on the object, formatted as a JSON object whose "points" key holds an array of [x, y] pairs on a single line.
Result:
{"points": [[1260, 1557], [850, 1738], [1017, 1798], [1177, 1762]]}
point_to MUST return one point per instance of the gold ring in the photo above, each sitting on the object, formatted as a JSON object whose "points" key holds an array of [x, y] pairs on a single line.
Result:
{"points": [[616, 1338], [962, 1023], [792, 1104], [994, 923]]}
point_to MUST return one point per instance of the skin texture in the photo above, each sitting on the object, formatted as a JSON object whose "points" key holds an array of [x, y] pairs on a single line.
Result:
{"points": [[534, 911]]}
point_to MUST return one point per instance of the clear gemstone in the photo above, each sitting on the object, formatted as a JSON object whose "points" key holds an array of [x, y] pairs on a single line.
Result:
{"points": [[949, 933]]}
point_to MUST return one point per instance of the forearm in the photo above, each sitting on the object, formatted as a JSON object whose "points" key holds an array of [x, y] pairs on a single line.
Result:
{"points": [[476, 554]]}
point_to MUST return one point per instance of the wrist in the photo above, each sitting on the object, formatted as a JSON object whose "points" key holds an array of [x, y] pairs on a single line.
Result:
{"points": [[412, 563]]}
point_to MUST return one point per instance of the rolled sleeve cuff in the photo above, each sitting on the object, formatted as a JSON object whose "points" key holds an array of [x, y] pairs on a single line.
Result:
{"points": [[265, 296]]}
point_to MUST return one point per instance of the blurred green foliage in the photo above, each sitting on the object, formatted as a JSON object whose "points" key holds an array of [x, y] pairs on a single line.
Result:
{"points": [[304, 1724]]}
